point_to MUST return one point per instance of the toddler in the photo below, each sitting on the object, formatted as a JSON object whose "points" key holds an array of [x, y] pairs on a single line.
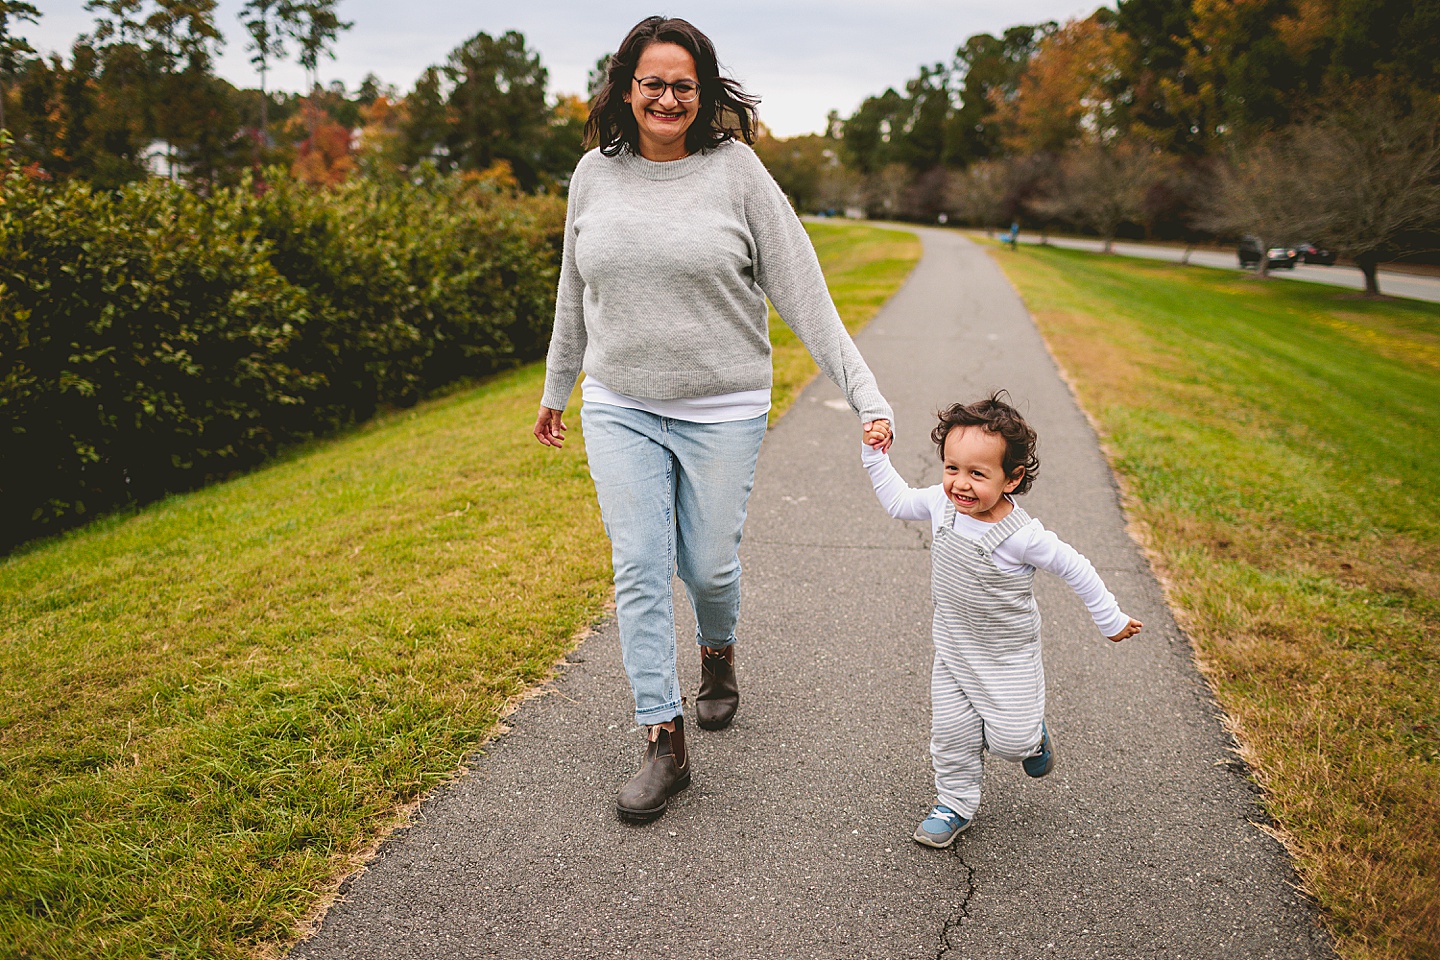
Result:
{"points": [[987, 688]]}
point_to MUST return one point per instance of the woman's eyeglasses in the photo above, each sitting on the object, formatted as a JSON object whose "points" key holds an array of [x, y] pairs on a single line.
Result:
{"points": [[654, 88]]}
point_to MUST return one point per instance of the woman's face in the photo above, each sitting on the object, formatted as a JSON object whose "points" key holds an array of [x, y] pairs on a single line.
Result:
{"points": [[663, 122]]}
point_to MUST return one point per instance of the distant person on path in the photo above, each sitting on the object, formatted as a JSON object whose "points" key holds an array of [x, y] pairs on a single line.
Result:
{"points": [[674, 236], [987, 686]]}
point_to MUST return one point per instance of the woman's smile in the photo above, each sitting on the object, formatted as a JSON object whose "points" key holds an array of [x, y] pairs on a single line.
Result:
{"points": [[662, 123]]}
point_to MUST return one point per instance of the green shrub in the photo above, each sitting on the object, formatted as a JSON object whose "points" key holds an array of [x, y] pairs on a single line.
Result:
{"points": [[152, 339]]}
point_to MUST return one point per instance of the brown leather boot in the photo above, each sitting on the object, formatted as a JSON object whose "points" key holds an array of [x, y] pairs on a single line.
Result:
{"points": [[719, 695], [664, 772]]}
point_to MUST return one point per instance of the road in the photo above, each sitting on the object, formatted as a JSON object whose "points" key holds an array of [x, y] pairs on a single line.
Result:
{"points": [[1392, 283], [1147, 840]]}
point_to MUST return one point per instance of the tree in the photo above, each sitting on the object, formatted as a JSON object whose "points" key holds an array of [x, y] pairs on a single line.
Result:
{"points": [[325, 158], [908, 128], [1249, 81], [12, 48], [183, 34], [885, 191], [924, 198], [1103, 185], [1364, 40], [921, 143], [1066, 92], [313, 25], [840, 189], [372, 88], [1358, 178], [265, 21], [155, 78], [190, 110], [1027, 183], [976, 195], [1163, 95], [497, 105], [596, 80], [1374, 169], [799, 165], [378, 148], [564, 139], [988, 72], [1263, 190], [424, 122], [866, 136], [109, 90]]}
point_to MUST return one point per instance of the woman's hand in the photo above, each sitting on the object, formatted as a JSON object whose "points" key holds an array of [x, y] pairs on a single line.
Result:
{"points": [[878, 435], [549, 428], [1131, 628]]}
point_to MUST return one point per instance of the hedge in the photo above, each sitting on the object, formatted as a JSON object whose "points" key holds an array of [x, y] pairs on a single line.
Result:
{"points": [[153, 339]]}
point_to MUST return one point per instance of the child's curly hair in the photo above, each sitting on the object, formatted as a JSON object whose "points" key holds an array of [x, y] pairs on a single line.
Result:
{"points": [[995, 415]]}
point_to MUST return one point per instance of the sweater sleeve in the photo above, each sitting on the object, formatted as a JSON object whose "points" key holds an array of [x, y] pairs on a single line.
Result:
{"points": [[788, 271], [567, 339], [1045, 551]]}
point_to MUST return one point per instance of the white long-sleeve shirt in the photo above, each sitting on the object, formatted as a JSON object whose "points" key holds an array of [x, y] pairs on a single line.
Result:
{"points": [[1030, 546]]}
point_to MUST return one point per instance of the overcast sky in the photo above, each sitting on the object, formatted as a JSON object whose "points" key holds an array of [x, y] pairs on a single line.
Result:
{"points": [[803, 58]]}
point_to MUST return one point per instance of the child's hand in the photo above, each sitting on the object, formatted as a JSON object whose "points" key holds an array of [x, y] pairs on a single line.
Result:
{"points": [[878, 435], [1131, 628]]}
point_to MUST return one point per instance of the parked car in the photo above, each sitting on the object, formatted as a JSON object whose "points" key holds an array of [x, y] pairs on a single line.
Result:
{"points": [[1309, 253], [1275, 257]]}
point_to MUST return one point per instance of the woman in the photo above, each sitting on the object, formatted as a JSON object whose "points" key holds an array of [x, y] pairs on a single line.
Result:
{"points": [[674, 236]]}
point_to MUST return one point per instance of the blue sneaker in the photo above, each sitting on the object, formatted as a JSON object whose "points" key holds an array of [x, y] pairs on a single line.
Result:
{"points": [[940, 828], [1044, 761]]}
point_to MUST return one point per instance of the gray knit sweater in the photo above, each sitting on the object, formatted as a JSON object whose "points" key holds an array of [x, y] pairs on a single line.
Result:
{"points": [[664, 277]]}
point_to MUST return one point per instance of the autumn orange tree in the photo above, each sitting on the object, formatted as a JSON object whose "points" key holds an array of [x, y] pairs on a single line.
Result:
{"points": [[1066, 92], [325, 157]]}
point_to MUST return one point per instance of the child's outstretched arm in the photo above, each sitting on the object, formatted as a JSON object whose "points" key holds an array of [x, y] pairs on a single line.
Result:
{"points": [[1045, 551], [899, 499]]}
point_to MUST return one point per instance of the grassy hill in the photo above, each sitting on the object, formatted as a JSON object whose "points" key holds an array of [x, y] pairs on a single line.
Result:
{"points": [[212, 707], [1279, 448]]}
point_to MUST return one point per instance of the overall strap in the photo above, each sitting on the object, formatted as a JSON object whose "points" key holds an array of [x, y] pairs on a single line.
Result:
{"points": [[1002, 530], [949, 524]]}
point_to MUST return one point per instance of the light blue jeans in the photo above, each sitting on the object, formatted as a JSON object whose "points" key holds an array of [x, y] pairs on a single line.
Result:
{"points": [[672, 495]]}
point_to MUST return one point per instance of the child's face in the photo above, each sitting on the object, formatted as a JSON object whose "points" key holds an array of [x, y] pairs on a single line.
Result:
{"points": [[975, 478]]}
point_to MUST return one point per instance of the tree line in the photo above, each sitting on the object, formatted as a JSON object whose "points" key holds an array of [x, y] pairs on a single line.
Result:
{"points": [[138, 96], [1174, 119]]}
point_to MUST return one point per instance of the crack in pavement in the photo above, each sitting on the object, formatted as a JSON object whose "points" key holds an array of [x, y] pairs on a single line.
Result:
{"points": [[952, 922]]}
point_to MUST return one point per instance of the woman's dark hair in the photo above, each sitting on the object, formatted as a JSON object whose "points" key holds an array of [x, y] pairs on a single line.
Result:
{"points": [[995, 415], [725, 112]]}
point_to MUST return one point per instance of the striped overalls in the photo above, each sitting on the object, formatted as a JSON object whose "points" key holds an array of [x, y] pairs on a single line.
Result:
{"points": [[987, 689]]}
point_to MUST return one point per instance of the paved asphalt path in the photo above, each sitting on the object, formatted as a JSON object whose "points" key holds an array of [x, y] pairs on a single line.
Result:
{"points": [[794, 840], [1392, 283]]}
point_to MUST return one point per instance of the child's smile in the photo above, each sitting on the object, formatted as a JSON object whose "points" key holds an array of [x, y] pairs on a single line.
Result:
{"points": [[975, 478]]}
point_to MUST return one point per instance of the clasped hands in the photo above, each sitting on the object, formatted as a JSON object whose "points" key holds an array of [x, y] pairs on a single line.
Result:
{"points": [[877, 434], [550, 430]]}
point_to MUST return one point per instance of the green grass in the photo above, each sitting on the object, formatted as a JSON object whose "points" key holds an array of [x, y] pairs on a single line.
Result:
{"points": [[1279, 446], [212, 707]]}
